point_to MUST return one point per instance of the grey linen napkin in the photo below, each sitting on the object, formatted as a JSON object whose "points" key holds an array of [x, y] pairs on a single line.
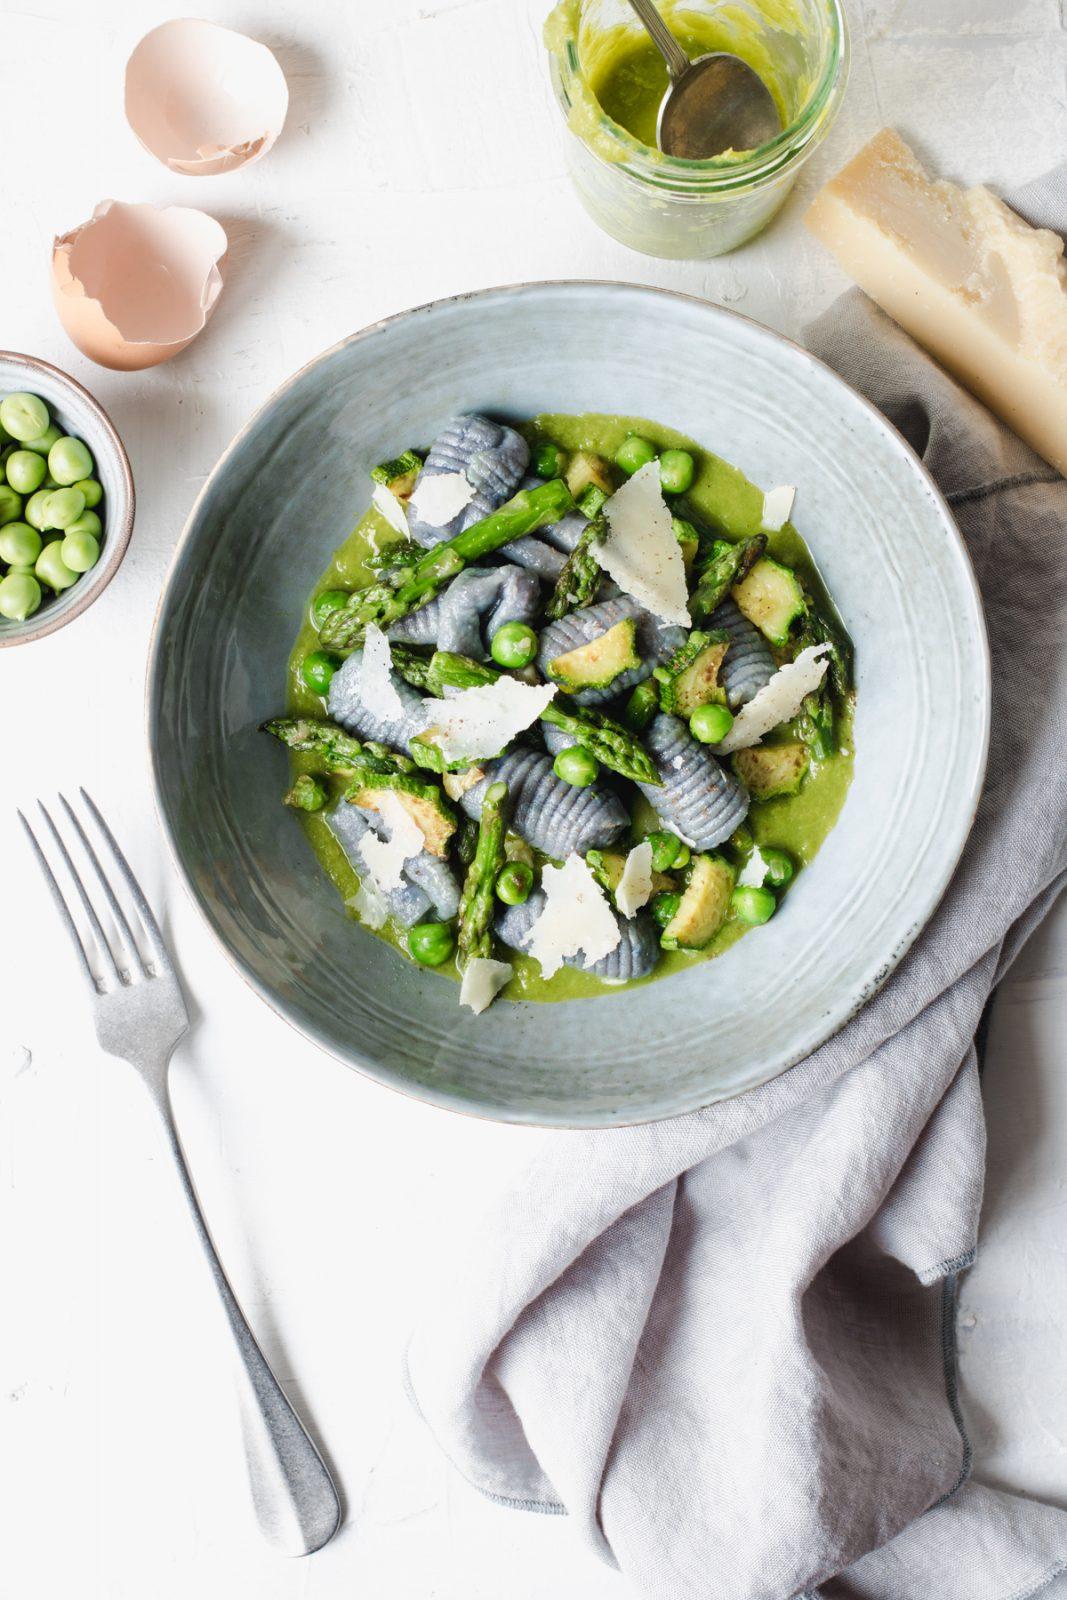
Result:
{"points": [[725, 1344]]}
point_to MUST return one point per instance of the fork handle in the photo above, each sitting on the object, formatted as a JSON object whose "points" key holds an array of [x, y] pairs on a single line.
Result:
{"points": [[295, 1501]]}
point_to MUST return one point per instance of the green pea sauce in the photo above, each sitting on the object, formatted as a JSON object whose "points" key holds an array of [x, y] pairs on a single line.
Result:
{"points": [[725, 500]]}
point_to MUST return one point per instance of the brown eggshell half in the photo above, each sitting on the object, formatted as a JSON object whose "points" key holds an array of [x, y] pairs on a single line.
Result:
{"points": [[204, 99], [136, 283]]}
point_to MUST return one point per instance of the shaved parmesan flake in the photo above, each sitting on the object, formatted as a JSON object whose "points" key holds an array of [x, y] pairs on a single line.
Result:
{"points": [[456, 784], [778, 700], [754, 872], [641, 552], [391, 507], [635, 885], [576, 918], [483, 720], [369, 904], [483, 980], [384, 858], [376, 686], [777, 508], [440, 496]]}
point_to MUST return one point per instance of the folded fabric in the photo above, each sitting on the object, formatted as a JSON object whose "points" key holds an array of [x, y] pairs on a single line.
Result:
{"points": [[725, 1344]]}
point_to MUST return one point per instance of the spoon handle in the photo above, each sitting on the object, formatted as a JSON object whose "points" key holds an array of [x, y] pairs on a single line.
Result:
{"points": [[662, 37]]}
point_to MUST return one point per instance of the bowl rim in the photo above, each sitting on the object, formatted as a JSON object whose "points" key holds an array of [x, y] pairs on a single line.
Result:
{"points": [[116, 541], [937, 886]]}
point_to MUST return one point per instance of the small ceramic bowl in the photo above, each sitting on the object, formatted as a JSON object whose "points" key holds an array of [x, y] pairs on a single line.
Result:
{"points": [[287, 493], [76, 412]]}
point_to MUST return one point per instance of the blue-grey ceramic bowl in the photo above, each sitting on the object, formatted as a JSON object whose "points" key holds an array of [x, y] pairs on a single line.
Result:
{"points": [[288, 491], [75, 411]]}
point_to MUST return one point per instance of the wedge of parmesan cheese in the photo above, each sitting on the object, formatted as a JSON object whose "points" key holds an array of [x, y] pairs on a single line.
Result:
{"points": [[778, 701], [483, 720], [384, 858], [440, 496], [369, 904], [635, 885], [391, 507], [483, 980], [754, 872], [640, 550], [984, 291], [777, 508], [376, 685], [576, 918]]}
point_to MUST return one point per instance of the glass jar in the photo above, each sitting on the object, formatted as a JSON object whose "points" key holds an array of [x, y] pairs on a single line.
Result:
{"points": [[659, 204]]}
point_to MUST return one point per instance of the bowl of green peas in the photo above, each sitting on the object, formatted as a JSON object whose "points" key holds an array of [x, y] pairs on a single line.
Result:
{"points": [[66, 499]]}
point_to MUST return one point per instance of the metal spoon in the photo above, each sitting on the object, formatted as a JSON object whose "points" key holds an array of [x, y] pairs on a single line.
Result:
{"points": [[712, 104]]}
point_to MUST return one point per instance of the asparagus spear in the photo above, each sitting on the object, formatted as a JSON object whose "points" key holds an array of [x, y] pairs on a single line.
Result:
{"points": [[580, 574], [385, 603], [477, 903], [415, 667], [725, 566], [339, 751], [816, 725], [401, 553], [612, 744]]}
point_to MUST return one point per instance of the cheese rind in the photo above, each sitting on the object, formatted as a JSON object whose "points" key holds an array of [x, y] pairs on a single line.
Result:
{"points": [[980, 288]]}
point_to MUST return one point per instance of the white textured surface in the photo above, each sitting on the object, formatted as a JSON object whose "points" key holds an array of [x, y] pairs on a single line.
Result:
{"points": [[420, 159]]}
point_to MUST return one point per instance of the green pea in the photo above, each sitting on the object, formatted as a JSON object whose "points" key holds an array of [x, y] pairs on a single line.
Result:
{"points": [[25, 471], [710, 724], [676, 471], [683, 858], [69, 460], [548, 460], [779, 866], [80, 551], [634, 453], [52, 569], [44, 442], [663, 906], [752, 905], [324, 604], [317, 669], [20, 545], [10, 504], [88, 522], [576, 766], [25, 416], [63, 507], [7, 451], [92, 490], [431, 943], [513, 645], [34, 510], [20, 595], [514, 883], [666, 848]]}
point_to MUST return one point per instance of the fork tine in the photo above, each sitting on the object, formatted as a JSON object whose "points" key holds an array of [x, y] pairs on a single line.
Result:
{"points": [[87, 905], [109, 893], [60, 903], [155, 938]]}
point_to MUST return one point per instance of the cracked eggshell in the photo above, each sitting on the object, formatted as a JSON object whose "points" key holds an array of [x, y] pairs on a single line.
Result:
{"points": [[136, 283], [203, 99]]}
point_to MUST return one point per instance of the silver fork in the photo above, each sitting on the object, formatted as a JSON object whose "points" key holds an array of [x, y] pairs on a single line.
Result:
{"points": [[140, 1016]]}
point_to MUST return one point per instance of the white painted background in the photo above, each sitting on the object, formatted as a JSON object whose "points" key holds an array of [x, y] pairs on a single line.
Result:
{"points": [[421, 158]]}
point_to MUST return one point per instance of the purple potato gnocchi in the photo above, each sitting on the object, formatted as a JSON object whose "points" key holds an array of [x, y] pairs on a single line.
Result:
{"points": [[491, 456], [656, 641], [698, 798], [552, 816], [635, 956], [475, 604], [748, 664], [348, 706]]}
